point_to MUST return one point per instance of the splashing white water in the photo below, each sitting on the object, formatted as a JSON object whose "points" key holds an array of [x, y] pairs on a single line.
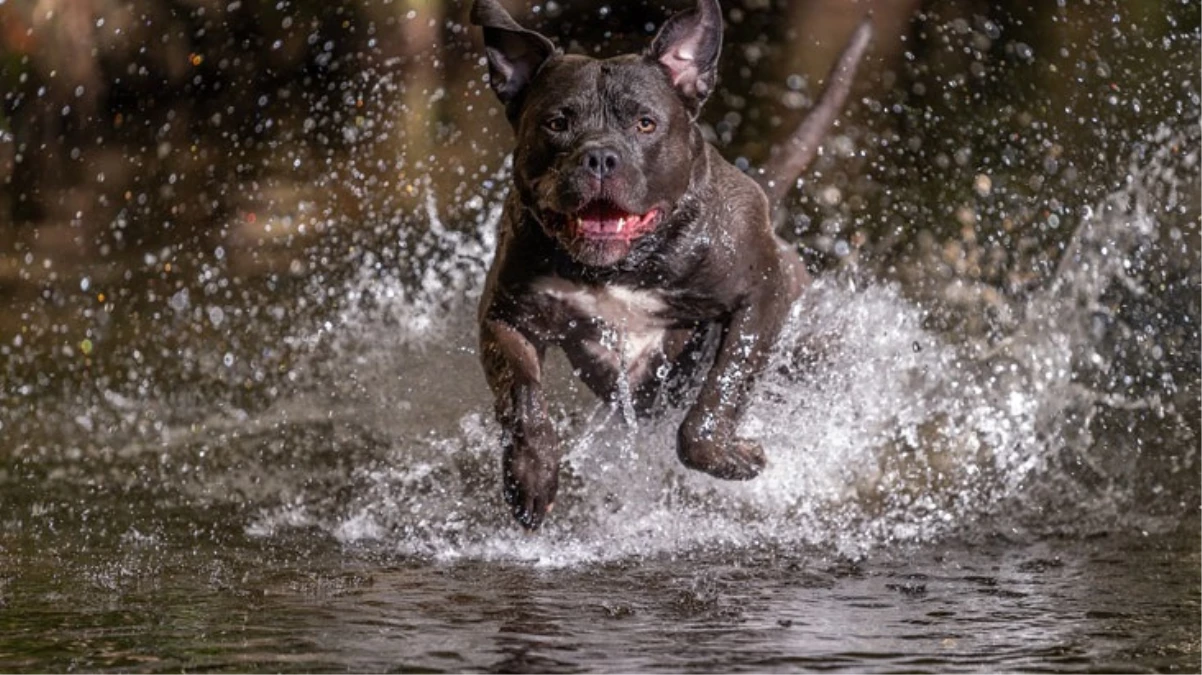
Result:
{"points": [[887, 433]]}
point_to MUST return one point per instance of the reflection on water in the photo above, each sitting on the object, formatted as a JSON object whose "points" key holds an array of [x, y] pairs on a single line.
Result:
{"points": [[224, 602]]}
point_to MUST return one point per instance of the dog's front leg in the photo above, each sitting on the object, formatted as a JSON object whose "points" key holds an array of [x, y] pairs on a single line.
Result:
{"points": [[706, 440], [530, 459]]}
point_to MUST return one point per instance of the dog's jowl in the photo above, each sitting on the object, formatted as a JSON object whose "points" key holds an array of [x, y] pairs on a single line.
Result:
{"points": [[629, 243]]}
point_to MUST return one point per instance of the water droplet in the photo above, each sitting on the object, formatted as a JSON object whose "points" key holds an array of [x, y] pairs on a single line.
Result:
{"points": [[216, 316], [831, 195], [180, 301], [983, 185]]}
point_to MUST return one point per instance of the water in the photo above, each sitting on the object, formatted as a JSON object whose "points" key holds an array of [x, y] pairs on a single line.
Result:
{"points": [[933, 501], [214, 602], [983, 447]]}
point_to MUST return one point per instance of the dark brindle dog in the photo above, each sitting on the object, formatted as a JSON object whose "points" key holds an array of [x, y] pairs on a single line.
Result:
{"points": [[630, 243]]}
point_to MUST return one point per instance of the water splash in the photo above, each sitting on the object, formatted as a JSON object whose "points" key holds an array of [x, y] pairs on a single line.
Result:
{"points": [[878, 430]]}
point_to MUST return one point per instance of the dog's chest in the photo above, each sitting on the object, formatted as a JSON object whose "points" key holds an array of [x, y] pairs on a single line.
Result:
{"points": [[630, 321]]}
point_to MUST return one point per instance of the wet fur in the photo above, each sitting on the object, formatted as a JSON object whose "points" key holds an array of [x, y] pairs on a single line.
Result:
{"points": [[698, 301]]}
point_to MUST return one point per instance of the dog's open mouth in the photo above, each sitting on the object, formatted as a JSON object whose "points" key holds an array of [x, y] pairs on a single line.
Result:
{"points": [[604, 220]]}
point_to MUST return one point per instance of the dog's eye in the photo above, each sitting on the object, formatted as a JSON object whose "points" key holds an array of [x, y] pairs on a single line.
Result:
{"points": [[557, 124], [645, 125]]}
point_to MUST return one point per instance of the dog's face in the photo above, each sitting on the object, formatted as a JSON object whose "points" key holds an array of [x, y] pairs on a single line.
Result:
{"points": [[603, 153], [605, 148]]}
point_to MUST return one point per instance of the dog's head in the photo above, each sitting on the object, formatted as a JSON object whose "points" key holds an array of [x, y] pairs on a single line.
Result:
{"points": [[605, 147]]}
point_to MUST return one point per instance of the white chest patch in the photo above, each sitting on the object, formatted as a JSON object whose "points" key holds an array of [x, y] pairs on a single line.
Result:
{"points": [[615, 305], [631, 315]]}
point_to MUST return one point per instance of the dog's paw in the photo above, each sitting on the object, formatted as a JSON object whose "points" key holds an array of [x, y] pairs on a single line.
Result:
{"points": [[530, 483], [740, 459]]}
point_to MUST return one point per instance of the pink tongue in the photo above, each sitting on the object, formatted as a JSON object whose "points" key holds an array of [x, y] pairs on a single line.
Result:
{"points": [[604, 220], [599, 225]]}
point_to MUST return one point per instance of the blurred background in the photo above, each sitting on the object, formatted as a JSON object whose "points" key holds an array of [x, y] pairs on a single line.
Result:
{"points": [[231, 148], [129, 124]]}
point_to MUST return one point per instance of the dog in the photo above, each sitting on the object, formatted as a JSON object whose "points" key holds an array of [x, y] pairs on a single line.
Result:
{"points": [[628, 242]]}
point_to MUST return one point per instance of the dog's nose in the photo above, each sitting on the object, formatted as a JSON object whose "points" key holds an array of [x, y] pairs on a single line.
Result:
{"points": [[600, 161]]}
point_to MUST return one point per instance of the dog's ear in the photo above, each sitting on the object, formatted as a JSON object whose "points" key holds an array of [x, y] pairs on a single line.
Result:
{"points": [[687, 47], [514, 53]]}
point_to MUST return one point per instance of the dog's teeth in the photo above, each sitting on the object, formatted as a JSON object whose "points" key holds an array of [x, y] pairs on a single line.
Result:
{"points": [[621, 224]]}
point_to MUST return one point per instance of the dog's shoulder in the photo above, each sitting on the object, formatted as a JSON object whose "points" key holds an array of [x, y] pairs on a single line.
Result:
{"points": [[736, 194]]}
